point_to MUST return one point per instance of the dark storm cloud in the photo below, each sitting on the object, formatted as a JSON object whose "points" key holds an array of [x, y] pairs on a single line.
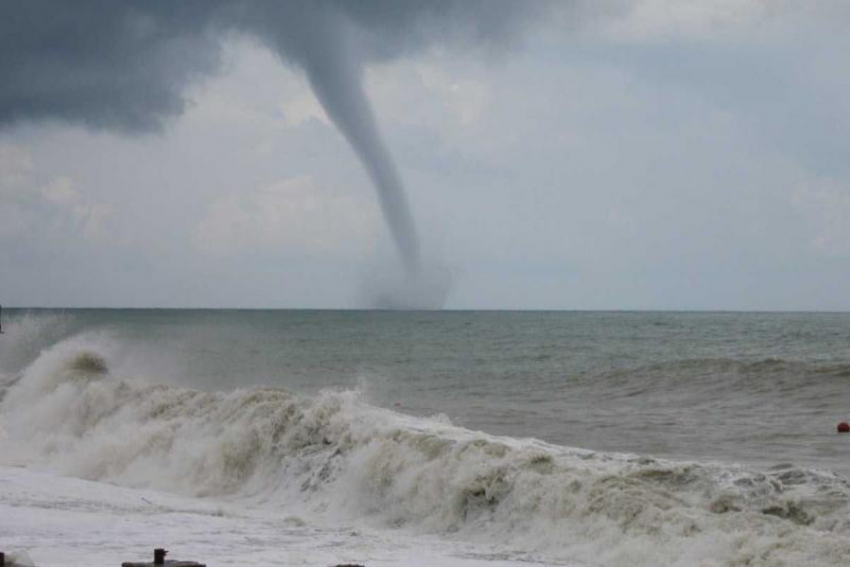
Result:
{"points": [[396, 27], [117, 65], [125, 64]]}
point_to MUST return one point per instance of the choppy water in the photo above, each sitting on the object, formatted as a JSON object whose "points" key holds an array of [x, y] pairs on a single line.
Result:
{"points": [[727, 422]]}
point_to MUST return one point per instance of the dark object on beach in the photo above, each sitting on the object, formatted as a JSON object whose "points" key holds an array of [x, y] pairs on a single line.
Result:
{"points": [[844, 427], [349, 565], [159, 559]]}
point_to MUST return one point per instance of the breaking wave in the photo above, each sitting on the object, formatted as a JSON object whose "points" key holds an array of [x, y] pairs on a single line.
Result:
{"points": [[335, 458]]}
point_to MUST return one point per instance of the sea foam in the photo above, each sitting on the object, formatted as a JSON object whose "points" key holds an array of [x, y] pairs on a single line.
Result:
{"points": [[335, 459]]}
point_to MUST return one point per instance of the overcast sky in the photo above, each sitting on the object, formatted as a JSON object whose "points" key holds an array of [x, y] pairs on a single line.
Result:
{"points": [[647, 154]]}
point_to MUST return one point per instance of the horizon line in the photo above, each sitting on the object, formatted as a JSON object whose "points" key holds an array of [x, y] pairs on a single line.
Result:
{"points": [[446, 310]]}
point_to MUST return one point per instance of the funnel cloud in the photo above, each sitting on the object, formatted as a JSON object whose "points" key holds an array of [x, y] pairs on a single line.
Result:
{"points": [[331, 58], [127, 71]]}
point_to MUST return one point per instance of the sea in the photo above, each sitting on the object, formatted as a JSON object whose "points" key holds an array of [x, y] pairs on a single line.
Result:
{"points": [[408, 438]]}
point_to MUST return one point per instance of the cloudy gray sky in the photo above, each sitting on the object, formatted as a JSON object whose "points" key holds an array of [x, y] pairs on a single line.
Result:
{"points": [[646, 154]]}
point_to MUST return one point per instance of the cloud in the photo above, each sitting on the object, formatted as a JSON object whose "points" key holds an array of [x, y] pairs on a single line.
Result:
{"points": [[127, 65], [56, 209], [129, 69], [414, 94], [116, 65], [302, 108], [584, 171], [16, 167], [60, 191], [294, 216], [825, 203], [645, 19], [96, 221], [716, 21]]}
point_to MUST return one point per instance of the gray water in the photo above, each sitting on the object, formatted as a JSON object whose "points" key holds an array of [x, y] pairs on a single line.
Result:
{"points": [[753, 388]]}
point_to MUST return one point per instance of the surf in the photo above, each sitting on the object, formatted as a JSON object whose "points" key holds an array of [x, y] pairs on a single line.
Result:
{"points": [[336, 459]]}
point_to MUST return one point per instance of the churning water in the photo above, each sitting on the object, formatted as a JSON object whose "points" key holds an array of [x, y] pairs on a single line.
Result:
{"points": [[555, 437]]}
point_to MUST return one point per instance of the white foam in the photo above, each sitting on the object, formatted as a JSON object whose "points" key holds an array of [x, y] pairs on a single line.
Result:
{"points": [[335, 462], [63, 522]]}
